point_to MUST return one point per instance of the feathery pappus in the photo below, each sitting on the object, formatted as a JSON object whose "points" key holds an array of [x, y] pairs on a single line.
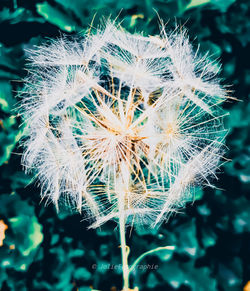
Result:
{"points": [[123, 124]]}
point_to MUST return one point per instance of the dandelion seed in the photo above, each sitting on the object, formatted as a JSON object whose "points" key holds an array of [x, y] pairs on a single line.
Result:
{"points": [[124, 125]]}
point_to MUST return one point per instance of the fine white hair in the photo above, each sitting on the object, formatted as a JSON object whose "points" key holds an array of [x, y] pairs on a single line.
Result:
{"points": [[122, 123]]}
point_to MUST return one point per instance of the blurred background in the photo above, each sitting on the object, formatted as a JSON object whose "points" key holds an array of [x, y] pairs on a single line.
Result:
{"points": [[44, 250]]}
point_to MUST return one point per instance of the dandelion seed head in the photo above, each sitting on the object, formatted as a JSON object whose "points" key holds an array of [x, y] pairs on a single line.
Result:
{"points": [[122, 123]]}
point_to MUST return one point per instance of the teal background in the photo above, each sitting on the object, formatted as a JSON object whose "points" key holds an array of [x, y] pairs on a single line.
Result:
{"points": [[43, 250]]}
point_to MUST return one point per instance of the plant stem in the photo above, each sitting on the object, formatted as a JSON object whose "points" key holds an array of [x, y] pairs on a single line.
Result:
{"points": [[153, 251], [124, 253]]}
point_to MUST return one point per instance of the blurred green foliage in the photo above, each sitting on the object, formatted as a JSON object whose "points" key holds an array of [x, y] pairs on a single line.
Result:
{"points": [[43, 250]]}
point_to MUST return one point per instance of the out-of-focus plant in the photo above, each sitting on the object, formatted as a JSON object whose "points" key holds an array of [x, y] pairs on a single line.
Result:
{"points": [[20, 235], [123, 126]]}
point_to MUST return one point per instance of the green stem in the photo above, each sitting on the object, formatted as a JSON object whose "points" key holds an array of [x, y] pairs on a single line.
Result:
{"points": [[124, 253], [171, 248]]}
